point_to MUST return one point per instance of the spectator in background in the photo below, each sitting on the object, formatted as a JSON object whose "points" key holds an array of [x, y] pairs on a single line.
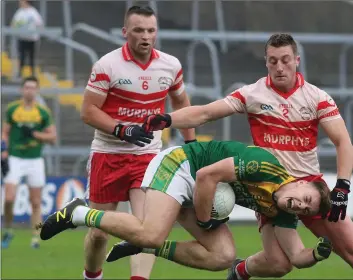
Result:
{"points": [[27, 17], [27, 127]]}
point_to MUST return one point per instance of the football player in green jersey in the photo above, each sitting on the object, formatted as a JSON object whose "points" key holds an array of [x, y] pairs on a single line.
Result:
{"points": [[27, 127], [188, 174]]}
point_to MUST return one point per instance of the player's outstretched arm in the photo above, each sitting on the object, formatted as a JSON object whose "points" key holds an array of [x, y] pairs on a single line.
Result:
{"points": [[299, 256], [189, 117], [195, 116], [337, 132], [178, 102], [207, 179]]}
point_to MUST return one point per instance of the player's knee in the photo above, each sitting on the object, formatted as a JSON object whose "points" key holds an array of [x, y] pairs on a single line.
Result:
{"points": [[36, 205], [225, 259], [218, 261], [10, 199], [10, 193], [96, 237], [347, 254], [153, 241], [281, 268]]}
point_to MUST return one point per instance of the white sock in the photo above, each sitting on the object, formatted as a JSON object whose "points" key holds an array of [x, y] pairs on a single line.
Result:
{"points": [[79, 215], [149, 251], [99, 277]]}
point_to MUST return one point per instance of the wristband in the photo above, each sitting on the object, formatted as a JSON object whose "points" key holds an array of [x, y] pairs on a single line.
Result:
{"points": [[343, 184], [119, 131], [3, 146], [314, 256]]}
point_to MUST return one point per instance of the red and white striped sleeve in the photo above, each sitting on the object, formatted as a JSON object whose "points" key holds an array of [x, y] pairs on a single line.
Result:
{"points": [[99, 81], [236, 100], [327, 109], [178, 84]]}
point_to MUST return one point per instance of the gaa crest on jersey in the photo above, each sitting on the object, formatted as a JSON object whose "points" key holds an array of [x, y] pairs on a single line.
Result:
{"points": [[305, 113], [124, 82], [252, 167], [266, 107], [165, 83]]}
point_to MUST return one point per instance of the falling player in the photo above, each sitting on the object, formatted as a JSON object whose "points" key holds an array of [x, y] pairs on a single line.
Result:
{"points": [[284, 112], [184, 175], [125, 86]]}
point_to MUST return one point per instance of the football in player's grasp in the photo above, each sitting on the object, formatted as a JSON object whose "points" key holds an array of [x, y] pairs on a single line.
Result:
{"points": [[223, 202]]}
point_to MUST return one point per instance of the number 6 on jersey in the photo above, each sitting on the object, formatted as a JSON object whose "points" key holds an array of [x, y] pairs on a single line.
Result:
{"points": [[145, 85]]}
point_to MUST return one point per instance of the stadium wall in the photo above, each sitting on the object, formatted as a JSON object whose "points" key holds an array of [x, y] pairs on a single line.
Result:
{"points": [[60, 190]]}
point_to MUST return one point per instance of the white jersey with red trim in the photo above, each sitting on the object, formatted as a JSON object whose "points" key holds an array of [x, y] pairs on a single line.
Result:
{"points": [[286, 124], [133, 92]]}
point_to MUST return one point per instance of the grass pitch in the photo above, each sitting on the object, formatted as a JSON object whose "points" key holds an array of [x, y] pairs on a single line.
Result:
{"points": [[62, 258]]}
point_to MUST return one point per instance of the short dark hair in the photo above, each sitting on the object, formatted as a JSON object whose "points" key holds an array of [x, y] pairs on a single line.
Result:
{"points": [[30, 79], [139, 10], [281, 40], [325, 199]]}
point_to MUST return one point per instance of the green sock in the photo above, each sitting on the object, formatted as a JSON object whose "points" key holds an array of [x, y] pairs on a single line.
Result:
{"points": [[93, 218], [167, 251]]}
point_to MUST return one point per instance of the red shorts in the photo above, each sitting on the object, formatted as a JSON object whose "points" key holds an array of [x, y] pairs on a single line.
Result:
{"points": [[307, 220], [111, 176]]}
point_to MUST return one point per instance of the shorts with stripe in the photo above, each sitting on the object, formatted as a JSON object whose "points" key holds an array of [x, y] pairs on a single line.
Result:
{"points": [[111, 176], [169, 172]]}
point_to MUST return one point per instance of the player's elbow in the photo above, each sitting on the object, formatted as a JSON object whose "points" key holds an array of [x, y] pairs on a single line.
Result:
{"points": [[53, 138], [299, 266], [85, 115], [204, 174], [206, 115]]}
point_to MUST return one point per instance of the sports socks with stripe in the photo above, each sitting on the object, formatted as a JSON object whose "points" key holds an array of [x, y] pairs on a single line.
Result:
{"points": [[167, 250], [84, 216]]}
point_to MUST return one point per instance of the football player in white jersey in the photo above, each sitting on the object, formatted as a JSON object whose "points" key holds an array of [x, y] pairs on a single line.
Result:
{"points": [[284, 113], [124, 87]]}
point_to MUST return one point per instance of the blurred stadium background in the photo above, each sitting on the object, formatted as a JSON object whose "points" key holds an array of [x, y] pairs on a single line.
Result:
{"points": [[221, 46]]}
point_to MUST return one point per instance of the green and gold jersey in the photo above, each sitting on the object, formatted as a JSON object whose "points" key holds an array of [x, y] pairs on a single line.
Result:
{"points": [[38, 117], [258, 171]]}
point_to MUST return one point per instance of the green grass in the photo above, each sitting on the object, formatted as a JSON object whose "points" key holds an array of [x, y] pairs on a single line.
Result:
{"points": [[62, 257]]}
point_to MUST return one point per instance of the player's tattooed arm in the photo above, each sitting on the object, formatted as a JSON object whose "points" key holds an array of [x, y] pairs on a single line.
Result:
{"points": [[207, 179]]}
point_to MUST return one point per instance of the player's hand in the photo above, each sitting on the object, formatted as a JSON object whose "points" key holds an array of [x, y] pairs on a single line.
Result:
{"points": [[339, 200], [323, 249], [133, 134], [27, 131], [157, 122], [212, 223], [4, 166]]}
